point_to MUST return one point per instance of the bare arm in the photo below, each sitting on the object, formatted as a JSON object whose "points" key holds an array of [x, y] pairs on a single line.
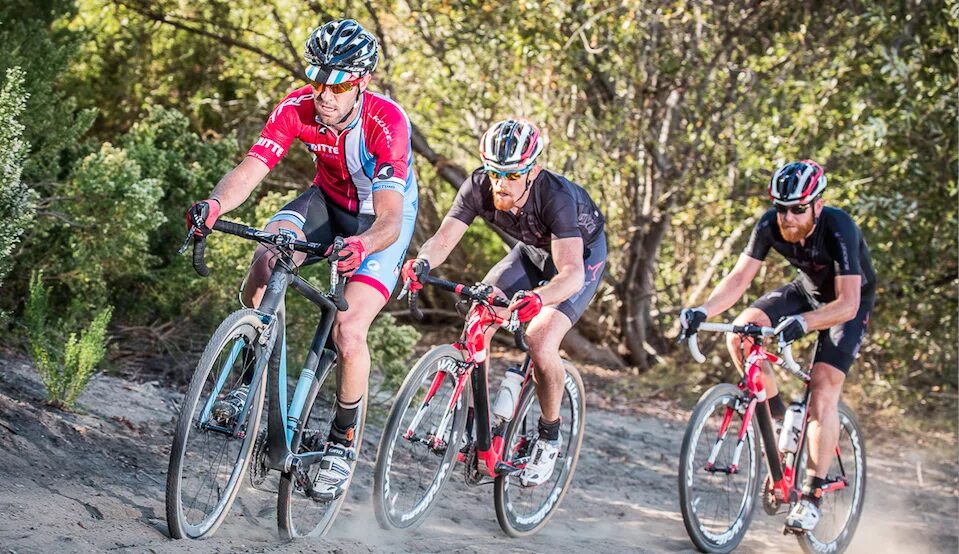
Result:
{"points": [[840, 310], [568, 257], [439, 246], [388, 207], [235, 187], [733, 286]]}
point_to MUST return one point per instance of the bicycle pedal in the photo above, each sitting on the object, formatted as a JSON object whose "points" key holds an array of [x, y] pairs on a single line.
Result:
{"points": [[787, 530], [504, 468]]}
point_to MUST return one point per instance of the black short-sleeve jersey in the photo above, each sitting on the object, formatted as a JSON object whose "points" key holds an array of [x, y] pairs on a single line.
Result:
{"points": [[836, 247], [556, 207]]}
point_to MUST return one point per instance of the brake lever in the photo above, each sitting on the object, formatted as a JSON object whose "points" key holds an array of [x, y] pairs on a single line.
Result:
{"points": [[189, 238]]}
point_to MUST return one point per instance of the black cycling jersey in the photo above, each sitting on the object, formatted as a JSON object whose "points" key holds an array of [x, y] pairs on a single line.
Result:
{"points": [[836, 247], [556, 207]]}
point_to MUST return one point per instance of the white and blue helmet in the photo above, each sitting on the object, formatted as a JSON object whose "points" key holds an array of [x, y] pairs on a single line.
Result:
{"points": [[339, 51]]}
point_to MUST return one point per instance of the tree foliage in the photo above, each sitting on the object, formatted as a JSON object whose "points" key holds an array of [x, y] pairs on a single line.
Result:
{"points": [[672, 114], [16, 206]]}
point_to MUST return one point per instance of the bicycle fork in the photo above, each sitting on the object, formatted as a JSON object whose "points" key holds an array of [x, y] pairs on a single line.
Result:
{"points": [[434, 438]]}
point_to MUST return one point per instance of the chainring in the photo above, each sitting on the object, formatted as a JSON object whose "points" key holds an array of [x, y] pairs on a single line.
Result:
{"points": [[258, 468]]}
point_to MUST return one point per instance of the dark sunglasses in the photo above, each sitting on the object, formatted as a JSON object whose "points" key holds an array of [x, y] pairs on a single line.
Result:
{"points": [[338, 88], [798, 209], [509, 176]]}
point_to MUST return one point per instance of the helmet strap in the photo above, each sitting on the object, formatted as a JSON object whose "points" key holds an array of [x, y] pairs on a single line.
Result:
{"points": [[529, 183]]}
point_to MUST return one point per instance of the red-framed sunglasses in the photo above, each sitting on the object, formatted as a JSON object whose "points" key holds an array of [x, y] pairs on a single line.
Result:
{"points": [[338, 88]]}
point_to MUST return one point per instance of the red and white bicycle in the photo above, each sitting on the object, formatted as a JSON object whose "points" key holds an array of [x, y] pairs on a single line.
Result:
{"points": [[719, 473], [433, 425]]}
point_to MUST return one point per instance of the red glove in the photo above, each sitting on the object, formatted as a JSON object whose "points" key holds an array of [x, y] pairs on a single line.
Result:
{"points": [[526, 304], [413, 272], [350, 257], [202, 216]]}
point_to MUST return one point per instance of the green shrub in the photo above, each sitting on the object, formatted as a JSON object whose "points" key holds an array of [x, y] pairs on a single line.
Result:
{"points": [[65, 374], [16, 198], [391, 347]]}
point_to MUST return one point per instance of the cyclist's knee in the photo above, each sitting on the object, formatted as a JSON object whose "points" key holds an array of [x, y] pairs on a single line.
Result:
{"points": [[349, 334]]}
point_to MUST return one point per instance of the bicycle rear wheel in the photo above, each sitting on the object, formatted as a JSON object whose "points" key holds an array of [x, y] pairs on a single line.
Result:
{"points": [[717, 501], [840, 508], [523, 511], [416, 458], [209, 457], [298, 515]]}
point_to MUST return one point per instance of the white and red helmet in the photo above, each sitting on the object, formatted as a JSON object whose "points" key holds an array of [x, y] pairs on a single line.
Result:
{"points": [[797, 183], [511, 145]]}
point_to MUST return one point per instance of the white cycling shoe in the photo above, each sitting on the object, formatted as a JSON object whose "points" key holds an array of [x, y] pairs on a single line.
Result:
{"points": [[803, 517], [542, 461], [334, 474]]}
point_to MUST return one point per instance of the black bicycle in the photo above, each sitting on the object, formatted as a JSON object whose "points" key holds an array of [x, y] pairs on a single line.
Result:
{"points": [[211, 452]]}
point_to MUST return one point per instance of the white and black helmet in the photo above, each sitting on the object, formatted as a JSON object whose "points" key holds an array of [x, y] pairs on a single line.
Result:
{"points": [[511, 145], [797, 183], [339, 51]]}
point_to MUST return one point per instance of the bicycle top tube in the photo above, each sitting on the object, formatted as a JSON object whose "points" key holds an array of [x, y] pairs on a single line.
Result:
{"points": [[750, 330]]}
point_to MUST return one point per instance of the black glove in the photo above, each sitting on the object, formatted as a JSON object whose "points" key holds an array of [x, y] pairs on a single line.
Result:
{"points": [[690, 320], [791, 328], [202, 215]]}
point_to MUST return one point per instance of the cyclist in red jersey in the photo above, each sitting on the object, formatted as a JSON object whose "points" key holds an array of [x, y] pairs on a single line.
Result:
{"points": [[364, 189], [834, 294], [562, 239]]}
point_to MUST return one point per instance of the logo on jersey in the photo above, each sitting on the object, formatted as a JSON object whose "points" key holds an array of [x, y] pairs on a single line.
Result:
{"points": [[386, 131], [323, 148], [385, 172], [294, 101], [267, 143]]}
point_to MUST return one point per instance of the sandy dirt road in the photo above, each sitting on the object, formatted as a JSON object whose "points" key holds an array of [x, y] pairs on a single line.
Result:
{"points": [[93, 481]]}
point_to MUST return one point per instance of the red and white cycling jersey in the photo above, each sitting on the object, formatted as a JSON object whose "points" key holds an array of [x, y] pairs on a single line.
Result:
{"points": [[373, 153]]}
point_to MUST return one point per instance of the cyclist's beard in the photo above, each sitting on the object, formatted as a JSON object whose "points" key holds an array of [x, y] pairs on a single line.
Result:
{"points": [[503, 202], [795, 231]]}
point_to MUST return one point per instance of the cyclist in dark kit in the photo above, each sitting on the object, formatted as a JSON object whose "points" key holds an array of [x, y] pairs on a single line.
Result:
{"points": [[834, 294], [562, 239]]}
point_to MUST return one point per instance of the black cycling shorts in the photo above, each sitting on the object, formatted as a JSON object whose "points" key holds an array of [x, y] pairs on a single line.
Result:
{"points": [[837, 346], [526, 266], [322, 220]]}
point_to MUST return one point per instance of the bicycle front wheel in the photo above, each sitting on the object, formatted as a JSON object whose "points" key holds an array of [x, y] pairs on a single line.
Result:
{"points": [[718, 478], [298, 515], [840, 508], [523, 511], [209, 455], [423, 434]]}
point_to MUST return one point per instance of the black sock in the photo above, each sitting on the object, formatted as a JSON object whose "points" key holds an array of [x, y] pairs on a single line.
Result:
{"points": [[549, 430], [776, 406], [812, 489], [344, 424]]}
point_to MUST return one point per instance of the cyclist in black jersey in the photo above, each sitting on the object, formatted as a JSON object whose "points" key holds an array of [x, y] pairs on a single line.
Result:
{"points": [[834, 294], [562, 239]]}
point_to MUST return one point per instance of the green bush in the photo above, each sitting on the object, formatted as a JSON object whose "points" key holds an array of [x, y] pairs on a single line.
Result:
{"points": [[391, 347], [65, 374], [16, 198]]}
